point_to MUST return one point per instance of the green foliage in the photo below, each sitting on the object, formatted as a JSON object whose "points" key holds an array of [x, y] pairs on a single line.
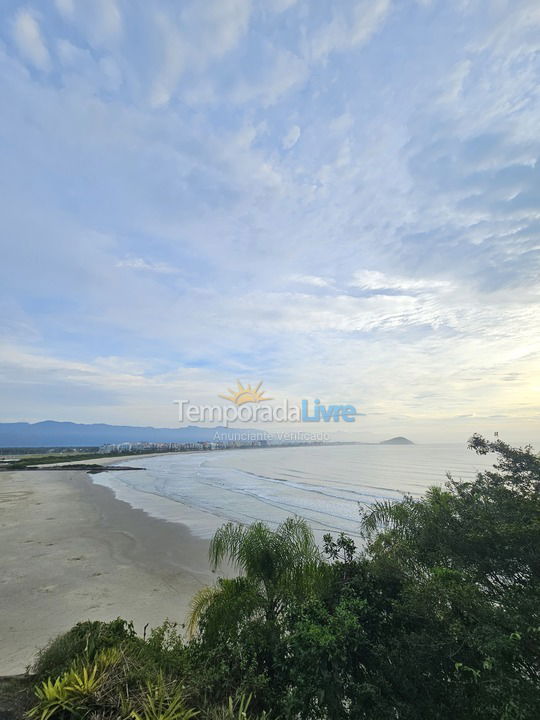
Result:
{"points": [[109, 688], [84, 683], [54, 699], [163, 650], [78, 690], [464, 567], [33, 460], [236, 709], [84, 640], [162, 701], [277, 566], [436, 617]]}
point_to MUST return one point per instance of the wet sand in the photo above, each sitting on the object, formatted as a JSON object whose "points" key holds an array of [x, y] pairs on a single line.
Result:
{"points": [[71, 551]]}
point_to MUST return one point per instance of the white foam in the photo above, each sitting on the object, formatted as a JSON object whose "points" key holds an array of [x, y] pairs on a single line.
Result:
{"points": [[323, 484]]}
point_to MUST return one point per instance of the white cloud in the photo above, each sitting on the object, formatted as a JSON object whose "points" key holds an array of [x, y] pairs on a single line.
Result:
{"points": [[173, 63], [516, 32], [349, 30], [283, 72], [99, 21], [342, 124], [111, 72], [70, 54], [109, 17], [454, 82], [292, 137], [66, 8], [223, 23], [141, 264], [201, 34], [281, 5], [375, 280], [314, 280], [204, 221], [27, 36]]}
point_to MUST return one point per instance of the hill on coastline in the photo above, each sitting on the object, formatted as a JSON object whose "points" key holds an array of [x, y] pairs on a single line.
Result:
{"points": [[399, 440]]}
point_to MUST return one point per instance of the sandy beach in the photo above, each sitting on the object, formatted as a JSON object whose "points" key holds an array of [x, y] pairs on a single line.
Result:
{"points": [[71, 551]]}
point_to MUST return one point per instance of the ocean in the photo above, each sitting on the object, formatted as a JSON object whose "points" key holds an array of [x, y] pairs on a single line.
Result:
{"points": [[324, 484]]}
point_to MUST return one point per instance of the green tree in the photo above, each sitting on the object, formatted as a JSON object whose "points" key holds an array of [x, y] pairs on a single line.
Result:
{"points": [[237, 624], [277, 567], [437, 616], [465, 621]]}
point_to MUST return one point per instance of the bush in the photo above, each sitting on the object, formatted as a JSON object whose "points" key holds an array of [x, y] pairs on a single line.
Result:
{"points": [[83, 642], [82, 689]]}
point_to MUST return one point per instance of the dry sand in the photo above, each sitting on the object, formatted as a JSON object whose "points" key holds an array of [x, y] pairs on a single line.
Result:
{"points": [[71, 551]]}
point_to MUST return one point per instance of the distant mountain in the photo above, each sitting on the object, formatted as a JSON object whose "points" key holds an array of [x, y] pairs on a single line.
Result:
{"points": [[399, 440], [67, 434]]}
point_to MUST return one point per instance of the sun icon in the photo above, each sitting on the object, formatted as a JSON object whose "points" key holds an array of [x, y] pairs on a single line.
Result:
{"points": [[246, 394]]}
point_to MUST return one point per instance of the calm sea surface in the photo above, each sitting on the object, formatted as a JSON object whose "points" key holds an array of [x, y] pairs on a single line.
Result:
{"points": [[322, 484]]}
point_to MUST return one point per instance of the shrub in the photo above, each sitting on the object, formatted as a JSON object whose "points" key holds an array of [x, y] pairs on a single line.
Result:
{"points": [[163, 650], [84, 641], [162, 701], [235, 709], [80, 689]]}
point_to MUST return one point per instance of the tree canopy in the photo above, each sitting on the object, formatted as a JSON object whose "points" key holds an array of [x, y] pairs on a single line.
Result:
{"points": [[436, 616]]}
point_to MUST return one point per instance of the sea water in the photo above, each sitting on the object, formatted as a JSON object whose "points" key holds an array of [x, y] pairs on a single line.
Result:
{"points": [[326, 485]]}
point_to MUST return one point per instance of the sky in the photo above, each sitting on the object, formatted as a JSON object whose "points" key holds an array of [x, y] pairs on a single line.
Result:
{"points": [[341, 199]]}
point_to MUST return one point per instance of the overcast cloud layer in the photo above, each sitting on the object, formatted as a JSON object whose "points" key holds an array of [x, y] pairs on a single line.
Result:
{"points": [[339, 198]]}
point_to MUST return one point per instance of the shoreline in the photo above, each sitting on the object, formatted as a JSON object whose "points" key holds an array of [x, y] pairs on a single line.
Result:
{"points": [[73, 551]]}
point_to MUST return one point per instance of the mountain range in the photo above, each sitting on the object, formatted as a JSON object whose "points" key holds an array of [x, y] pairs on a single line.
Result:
{"points": [[50, 433]]}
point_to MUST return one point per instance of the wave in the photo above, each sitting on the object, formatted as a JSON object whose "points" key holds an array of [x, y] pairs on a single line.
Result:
{"points": [[326, 487]]}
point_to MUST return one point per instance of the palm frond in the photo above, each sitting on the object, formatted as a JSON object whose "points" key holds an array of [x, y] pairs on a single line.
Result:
{"points": [[388, 514], [224, 606], [200, 602]]}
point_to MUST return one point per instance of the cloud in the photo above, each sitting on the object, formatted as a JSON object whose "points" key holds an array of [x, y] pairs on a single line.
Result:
{"points": [[342, 124], [173, 63], [292, 137], [393, 253], [454, 82], [223, 23], [310, 280], [29, 40], [282, 5], [140, 264], [100, 21], [194, 37], [281, 72], [107, 18], [65, 7], [349, 30], [375, 280]]}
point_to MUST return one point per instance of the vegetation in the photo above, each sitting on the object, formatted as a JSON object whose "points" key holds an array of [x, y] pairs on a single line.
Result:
{"points": [[32, 460], [436, 616], [84, 640], [278, 567]]}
